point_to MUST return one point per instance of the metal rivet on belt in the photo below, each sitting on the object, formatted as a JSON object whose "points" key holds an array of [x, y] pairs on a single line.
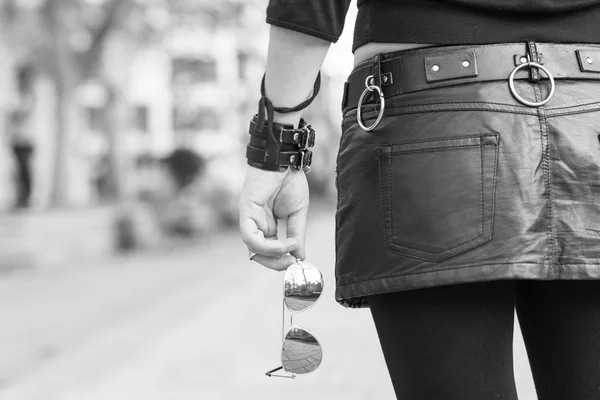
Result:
{"points": [[523, 60], [292, 159], [385, 78], [589, 60], [465, 64], [435, 68], [372, 82]]}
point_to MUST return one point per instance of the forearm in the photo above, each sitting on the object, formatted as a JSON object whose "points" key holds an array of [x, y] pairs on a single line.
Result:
{"points": [[293, 62]]}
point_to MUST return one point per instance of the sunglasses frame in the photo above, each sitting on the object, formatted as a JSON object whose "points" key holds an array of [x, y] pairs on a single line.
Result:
{"points": [[283, 334]]}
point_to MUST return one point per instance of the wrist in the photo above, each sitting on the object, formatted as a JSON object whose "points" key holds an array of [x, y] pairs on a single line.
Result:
{"points": [[259, 173], [292, 118], [260, 184], [251, 171]]}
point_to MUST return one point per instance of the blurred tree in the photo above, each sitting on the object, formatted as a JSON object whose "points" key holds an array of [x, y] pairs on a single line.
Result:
{"points": [[76, 46], [68, 39]]}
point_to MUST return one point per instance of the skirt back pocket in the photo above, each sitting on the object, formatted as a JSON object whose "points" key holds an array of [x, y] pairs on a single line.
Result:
{"points": [[437, 196]]}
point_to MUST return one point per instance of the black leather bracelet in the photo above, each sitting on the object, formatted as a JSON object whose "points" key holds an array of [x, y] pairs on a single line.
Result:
{"points": [[276, 147], [292, 149], [303, 136], [297, 159]]}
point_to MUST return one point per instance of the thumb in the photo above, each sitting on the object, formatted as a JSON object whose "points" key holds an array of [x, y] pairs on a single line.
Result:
{"points": [[296, 228]]}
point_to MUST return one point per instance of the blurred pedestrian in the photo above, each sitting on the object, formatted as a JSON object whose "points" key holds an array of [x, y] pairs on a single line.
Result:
{"points": [[185, 165], [21, 134], [468, 184]]}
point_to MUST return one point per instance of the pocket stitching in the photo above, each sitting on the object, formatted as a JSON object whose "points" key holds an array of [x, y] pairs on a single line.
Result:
{"points": [[434, 149], [382, 199], [452, 139], [390, 197]]}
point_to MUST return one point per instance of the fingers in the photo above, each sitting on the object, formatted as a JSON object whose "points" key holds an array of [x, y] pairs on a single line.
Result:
{"points": [[275, 263], [296, 229], [268, 246]]}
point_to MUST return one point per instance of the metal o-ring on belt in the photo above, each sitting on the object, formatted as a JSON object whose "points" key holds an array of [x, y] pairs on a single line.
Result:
{"points": [[370, 88], [511, 84]]}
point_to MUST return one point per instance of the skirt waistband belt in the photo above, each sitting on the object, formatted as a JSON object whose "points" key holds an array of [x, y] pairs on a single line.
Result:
{"points": [[438, 66]]}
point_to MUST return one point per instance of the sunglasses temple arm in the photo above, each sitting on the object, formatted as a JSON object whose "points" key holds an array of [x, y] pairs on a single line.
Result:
{"points": [[270, 374]]}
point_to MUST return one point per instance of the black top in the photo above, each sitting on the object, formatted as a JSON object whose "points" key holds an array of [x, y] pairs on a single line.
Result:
{"points": [[443, 21]]}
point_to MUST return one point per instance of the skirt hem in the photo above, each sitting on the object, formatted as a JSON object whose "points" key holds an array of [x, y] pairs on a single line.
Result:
{"points": [[354, 295]]}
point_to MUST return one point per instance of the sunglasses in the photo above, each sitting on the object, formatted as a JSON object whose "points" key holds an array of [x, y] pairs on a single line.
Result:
{"points": [[301, 353]]}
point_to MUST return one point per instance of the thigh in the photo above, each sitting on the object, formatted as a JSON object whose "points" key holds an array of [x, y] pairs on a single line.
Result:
{"points": [[449, 342], [560, 321]]}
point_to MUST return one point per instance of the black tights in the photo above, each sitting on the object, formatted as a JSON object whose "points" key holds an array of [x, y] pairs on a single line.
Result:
{"points": [[456, 342]]}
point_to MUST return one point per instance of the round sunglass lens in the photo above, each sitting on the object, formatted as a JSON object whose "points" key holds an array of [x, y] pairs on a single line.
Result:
{"points": [[301, 352], [303, 284]]}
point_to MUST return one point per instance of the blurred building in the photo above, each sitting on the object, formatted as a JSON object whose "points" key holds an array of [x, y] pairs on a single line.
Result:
{"points": [[217, 50], [186, 89], [179, 73]]}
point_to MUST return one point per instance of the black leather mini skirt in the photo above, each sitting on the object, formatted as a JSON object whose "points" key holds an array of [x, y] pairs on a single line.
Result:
{"points": [[454, 172]]}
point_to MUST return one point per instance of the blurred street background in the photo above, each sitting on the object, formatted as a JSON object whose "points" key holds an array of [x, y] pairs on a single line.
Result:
{"points": [[123, 126]]}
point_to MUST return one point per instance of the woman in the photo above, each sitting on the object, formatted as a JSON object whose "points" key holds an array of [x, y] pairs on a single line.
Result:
{"points": [[468, 181]]}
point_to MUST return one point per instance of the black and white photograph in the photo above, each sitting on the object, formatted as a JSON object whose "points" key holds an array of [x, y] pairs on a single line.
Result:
{"points": [[300, 199]]}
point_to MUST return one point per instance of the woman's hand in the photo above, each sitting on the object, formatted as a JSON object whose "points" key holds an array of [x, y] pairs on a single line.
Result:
{"points": [[266, 198]]}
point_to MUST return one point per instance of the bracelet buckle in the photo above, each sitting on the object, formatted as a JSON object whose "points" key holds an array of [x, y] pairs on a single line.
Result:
{"points": [[305, 161], [306, 138]]}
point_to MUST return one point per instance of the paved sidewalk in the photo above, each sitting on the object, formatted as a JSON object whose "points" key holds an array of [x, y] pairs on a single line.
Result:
{"points": [[199, 323], [50, 238]]}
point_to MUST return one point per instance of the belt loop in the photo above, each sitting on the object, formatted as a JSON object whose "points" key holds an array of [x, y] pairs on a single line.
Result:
{"points": [[345, 96], [377, 71], [534, 72]]}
